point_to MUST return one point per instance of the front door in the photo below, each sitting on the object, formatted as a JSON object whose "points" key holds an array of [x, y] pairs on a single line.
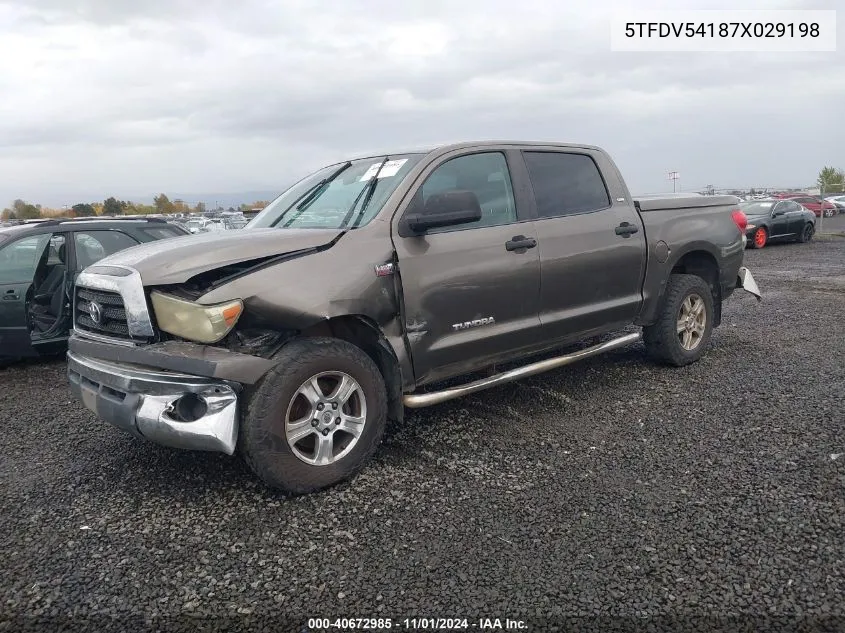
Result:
{"points": [[780, 218], [18, 262], [471, 292], [794, 218], [592, 245]]}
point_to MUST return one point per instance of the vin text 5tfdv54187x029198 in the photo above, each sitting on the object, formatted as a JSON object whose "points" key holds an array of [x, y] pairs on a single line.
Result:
{"points": [[367, 283]]}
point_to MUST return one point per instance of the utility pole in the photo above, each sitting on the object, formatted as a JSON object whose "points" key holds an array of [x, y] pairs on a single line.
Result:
{"points": [[673, 176], [821, 210]]}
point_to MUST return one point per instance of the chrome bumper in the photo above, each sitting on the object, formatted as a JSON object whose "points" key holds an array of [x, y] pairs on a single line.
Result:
{"points": [[745, 281], [177, 410]]}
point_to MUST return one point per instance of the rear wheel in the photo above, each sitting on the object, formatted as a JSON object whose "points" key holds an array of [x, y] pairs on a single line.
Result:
{"points": [[829, 213], [316, 418], [760, 238], [807, 233], [685, 322]]}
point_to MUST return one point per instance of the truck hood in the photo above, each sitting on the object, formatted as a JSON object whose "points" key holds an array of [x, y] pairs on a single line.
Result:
{"points": [[175, 260]]}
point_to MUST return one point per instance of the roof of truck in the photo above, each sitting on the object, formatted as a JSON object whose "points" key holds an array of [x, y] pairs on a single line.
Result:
{"points": [[448, 147]]}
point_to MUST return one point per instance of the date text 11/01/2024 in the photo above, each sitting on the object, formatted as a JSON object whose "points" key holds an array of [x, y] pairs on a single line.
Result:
{"points": [[425, 624]]}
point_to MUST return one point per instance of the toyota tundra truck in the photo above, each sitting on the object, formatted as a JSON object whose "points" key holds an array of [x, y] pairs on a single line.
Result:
{"points": [[370, 284]]}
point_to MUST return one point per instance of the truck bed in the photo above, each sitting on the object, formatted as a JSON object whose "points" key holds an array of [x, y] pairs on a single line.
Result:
{"points": [[685, 202]]}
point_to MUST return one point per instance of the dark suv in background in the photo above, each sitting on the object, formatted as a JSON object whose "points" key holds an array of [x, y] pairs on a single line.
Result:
{"points": [[39, 263]]}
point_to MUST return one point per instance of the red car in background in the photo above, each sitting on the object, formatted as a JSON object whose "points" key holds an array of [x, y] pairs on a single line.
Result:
{"points": [[813, 203]]}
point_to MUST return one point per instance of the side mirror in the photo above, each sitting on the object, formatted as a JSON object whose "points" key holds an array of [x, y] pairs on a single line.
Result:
{"points": [[446, 209], [778, 212]]}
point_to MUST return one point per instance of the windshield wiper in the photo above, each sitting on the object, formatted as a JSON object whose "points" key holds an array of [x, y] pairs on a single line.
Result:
{"points": [[368, 191], [311, 194]]}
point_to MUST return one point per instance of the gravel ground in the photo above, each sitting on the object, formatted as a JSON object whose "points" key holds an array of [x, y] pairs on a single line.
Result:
{"points": [[704, 497]]}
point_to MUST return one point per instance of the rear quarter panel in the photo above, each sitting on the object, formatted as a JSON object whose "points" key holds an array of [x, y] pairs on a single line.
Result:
{"points": [[674, 233]]}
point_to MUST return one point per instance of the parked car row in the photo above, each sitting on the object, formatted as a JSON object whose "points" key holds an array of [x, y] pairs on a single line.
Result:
{"points": [[830, 206], [813, 203], [199, 223]]}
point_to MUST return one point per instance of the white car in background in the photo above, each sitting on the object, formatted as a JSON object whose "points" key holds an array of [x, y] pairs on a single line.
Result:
{"points": [[839, 201]]}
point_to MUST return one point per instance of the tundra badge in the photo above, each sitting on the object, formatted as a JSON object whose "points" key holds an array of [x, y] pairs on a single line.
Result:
{"points": [[474, 323]]}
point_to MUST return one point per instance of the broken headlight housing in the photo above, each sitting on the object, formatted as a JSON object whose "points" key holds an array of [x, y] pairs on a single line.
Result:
{"points": [[194, 321]]}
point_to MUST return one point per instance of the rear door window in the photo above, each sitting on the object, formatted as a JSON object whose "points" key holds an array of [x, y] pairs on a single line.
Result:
{"points": [[565, 183]]}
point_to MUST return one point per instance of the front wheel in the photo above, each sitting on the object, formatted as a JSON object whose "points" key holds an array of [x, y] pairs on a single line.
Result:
{"points": [[315, 418], [829, 213], [807, 233], [685, 322]]}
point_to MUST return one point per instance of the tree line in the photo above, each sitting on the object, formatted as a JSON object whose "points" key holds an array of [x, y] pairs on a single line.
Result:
{"points": [[23, 210]]}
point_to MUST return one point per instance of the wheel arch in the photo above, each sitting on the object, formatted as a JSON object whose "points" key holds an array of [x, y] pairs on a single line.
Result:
{"points": [[365, 334], [702, 264]]}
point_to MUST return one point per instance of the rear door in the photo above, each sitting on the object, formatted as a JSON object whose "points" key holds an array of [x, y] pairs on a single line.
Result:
{"points": [[18, 261], [592, 243], [470, 298]]}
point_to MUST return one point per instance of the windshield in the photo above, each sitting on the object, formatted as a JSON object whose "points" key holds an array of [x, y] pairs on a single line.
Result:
{"points": [[757, 208], [306, 205]]}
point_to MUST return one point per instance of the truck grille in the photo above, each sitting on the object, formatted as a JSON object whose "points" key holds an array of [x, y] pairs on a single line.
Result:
{"points": [[109, 309]]}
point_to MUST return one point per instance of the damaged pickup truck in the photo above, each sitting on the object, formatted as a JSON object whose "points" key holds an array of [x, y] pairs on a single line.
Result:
{"points": [[366, 284]]}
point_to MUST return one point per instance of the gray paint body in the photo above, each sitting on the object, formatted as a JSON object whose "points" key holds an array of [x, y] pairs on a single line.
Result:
{"points": [[583, 279]]}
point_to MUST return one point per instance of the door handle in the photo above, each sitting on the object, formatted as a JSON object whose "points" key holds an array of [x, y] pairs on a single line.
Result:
{"points": [[520, 243], [626, 229]]}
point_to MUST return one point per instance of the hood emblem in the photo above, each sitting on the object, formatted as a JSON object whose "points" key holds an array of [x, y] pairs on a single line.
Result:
{"points": [[95, 311]]}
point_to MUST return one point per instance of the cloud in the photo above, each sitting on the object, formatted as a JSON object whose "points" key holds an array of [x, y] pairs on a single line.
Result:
{"points": [[109, 97]]}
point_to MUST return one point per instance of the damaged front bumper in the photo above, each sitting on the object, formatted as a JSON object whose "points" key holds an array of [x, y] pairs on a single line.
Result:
{"points": [[165, 407], [745, 281]]}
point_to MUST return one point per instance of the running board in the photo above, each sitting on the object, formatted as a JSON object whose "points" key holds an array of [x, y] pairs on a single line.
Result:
{"points": [[415, 401]]}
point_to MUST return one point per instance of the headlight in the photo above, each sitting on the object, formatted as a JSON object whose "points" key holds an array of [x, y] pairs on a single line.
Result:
{"points": [[204, 324]]}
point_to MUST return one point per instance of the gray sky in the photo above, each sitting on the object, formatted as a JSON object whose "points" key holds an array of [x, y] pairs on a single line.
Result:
{"points": [[128, 98]]}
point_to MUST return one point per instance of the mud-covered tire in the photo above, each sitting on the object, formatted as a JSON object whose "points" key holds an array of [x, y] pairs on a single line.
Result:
{"points": [[262, 440], [807, 233], [662, 339]]}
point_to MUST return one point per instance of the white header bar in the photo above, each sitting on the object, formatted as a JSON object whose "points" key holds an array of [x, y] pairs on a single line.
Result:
{"points": [[724, 31]]}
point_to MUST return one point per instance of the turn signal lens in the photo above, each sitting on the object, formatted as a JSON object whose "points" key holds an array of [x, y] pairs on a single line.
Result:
{"points": [[231, 314]]}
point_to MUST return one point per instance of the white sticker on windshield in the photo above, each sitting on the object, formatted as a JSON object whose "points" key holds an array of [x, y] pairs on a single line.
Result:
{"points": [[766, 205], [391, 168]]}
